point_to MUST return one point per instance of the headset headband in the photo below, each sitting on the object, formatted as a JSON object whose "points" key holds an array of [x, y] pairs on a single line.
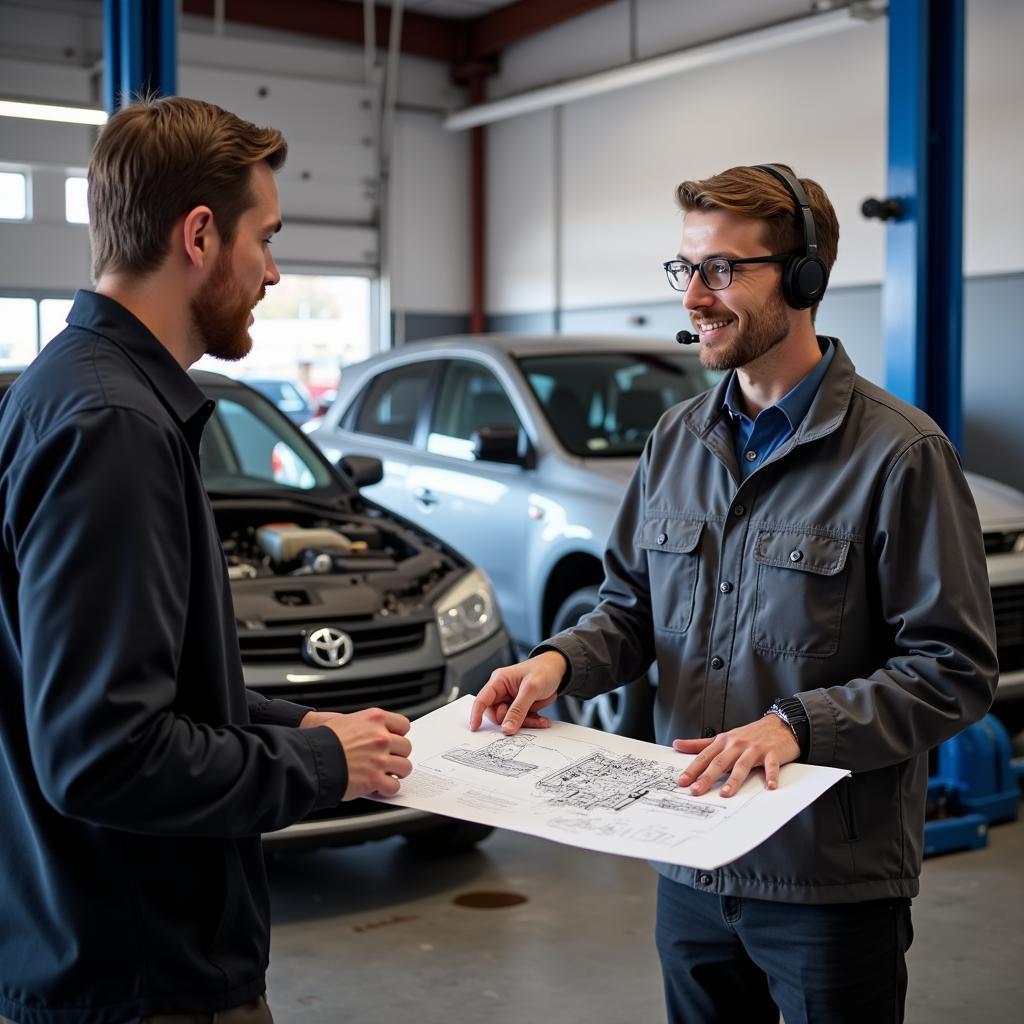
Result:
{"points": [[805, 215]]}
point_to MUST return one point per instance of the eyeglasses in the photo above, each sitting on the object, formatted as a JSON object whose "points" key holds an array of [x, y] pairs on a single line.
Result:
{"points": [[715, 271]]}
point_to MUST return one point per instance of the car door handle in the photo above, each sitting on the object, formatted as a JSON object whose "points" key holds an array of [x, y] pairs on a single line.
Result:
{"points": [[425, 496]]}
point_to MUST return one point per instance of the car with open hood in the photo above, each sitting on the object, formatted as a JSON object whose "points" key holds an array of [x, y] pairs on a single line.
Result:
{"points": [[340, 604]]}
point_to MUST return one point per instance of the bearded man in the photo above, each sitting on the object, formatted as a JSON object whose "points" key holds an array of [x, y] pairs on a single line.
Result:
{"points": [[800, 553], [136, 771]]}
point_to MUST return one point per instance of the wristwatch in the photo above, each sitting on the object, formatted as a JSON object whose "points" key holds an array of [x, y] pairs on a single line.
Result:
{"points": [[792, 711]]}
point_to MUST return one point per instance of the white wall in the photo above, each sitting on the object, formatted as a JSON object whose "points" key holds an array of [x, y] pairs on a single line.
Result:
{"points": [[820, 106], [314, 91]]}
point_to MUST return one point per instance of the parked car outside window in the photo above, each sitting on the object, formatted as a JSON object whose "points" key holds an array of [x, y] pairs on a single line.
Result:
{"points": [[290, 396], [518, 449], [403, 621]]}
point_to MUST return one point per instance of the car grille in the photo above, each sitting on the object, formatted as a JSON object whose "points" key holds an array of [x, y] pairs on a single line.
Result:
{"points": [[1001, 543], [284, 643], [393, 692], [1008, 605]]}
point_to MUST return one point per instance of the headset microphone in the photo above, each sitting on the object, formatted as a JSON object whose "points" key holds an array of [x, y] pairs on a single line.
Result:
{"points": [[687, 338]]}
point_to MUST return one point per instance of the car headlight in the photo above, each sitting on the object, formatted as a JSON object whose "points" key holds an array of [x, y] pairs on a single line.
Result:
{"points": [[467, 614]]}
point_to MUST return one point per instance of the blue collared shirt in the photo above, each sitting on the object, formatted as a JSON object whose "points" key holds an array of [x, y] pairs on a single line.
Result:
{"points": [[756, 439]]}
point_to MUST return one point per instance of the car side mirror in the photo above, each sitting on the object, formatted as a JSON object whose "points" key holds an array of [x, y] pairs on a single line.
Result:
{"points": [[362, 470], [501, 444]]}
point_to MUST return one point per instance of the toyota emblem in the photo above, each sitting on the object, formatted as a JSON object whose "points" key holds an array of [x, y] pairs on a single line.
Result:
{"points": [[328, 648]]}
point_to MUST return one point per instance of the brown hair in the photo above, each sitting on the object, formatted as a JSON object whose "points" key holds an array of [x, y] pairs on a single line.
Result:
{"points": [[751, 192], [157, 159]]}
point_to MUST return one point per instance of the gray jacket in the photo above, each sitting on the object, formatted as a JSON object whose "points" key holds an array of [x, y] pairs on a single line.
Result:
{"points": [[848, 570]]}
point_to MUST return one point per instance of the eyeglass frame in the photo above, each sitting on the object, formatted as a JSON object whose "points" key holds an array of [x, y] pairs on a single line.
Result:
{"points": [[679, 261]]}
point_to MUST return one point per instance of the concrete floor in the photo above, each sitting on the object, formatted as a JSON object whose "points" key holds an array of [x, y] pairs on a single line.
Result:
{"points": [[371, 934]]}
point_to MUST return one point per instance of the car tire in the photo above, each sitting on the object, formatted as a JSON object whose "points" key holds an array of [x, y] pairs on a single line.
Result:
{"points": [[449, 838], [627, 710]]}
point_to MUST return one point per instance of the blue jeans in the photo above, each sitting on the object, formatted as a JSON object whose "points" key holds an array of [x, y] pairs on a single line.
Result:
{"points": [[726, 959]]}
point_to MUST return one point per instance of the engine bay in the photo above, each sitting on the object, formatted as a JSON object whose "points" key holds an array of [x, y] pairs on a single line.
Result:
{"points": [[286, 564]]}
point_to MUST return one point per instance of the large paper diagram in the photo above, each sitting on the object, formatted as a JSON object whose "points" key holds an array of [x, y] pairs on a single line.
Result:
{"points": [[594, 790]]}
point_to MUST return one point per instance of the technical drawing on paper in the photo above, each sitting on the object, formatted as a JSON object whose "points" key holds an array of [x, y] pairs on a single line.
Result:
{"points": [[600, 781], [593, 790], [498, 757]]}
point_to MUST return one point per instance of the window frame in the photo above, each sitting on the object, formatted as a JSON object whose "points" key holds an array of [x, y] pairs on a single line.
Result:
{"points": [[26, 175]]}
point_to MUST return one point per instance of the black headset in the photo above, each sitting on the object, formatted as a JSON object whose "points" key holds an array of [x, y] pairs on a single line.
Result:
{"points": [[804, 275]]}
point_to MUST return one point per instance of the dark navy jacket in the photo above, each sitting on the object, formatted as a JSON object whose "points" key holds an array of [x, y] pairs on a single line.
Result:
{"points": [[136, 771]]}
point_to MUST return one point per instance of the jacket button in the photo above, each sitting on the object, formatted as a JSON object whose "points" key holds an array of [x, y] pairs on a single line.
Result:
{"points": [[796, 556], [725, 587], [709, 733], [717, 663], [661, 538], [750, 456], [705, 879], [738, 510]]}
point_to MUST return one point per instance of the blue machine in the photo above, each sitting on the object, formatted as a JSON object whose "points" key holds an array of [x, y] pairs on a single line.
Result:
{"points": [[977, 784]]}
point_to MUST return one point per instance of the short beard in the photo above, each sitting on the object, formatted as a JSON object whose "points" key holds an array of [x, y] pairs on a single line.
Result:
{"points": [[220, 313], [765, 329]]}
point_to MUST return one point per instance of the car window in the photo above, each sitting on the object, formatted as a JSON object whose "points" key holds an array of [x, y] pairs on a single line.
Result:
{"points": [[392, 402], [241, 450], [606, 403], [471, 397]]}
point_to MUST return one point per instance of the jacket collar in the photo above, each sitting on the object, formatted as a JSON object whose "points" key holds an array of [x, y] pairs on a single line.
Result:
{"points": [[108, 318], [826, 412]]}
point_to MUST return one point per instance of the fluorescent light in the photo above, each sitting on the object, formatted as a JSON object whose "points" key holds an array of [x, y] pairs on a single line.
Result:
{"points": [[742, 45], [52, 112]]}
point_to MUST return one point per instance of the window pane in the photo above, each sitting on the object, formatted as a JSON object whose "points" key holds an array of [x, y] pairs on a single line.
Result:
{"points": [[307, 329], [606, 403], [13, 196], [53, 314], [471, 398], [76, 205], [241, 449], [17, 331], [393, 402]]}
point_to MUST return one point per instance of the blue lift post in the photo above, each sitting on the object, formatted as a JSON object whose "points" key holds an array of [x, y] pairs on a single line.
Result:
{"points": [[922, 294], [140, 50], [976, 784]]}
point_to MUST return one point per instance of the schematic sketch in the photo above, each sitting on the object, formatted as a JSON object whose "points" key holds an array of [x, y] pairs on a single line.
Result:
{"points": [[593, 790], [498, 757], [614, 784]]}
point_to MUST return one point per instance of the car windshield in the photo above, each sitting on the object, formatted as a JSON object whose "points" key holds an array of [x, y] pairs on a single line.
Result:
{"points": [[604, 404], [249, 447]]}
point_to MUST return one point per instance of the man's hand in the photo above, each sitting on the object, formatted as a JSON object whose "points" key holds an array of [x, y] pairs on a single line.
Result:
{"points": [[513, 695], [376, 749], [768, 741]]}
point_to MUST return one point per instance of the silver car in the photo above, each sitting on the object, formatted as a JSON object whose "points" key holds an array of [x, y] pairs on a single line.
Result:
{"points": [[517, 450]]}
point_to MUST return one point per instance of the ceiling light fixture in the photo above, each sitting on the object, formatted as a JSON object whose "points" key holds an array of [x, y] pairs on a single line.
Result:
{"points": [[759, 40], [52, 112]]}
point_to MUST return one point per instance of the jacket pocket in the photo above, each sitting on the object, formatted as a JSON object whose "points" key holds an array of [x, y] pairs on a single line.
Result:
{"points": [[847, 818], [801, 588], [673, 560]]}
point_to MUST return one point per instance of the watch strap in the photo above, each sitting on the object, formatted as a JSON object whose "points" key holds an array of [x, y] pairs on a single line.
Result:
{"points": [[792, 711]]}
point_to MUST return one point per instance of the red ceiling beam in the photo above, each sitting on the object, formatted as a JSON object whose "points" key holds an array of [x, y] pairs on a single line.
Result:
{"points": [[422, 35], [444, 39], [493, 32]]}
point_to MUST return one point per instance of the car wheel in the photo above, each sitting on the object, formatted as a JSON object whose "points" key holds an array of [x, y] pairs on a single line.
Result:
{"points": [[449, 838], [628, 710]]}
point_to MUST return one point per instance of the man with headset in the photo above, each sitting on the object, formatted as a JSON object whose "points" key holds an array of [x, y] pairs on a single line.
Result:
{"points": [[800, 553]]}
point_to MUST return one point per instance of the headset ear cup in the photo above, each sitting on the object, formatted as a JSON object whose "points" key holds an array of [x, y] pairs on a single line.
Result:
{"points": [[803, 281]]}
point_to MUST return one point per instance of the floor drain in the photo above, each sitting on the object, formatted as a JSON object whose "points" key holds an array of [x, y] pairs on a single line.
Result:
{"points": [[488, 900]]}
